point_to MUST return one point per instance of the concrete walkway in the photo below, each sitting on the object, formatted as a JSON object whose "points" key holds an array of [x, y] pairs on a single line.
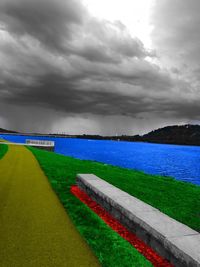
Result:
{"points": [[35, 230]]}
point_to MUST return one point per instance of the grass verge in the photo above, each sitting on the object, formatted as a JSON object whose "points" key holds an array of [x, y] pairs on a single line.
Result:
{"points": [[179, 200], [3, 150], [110, 248]]}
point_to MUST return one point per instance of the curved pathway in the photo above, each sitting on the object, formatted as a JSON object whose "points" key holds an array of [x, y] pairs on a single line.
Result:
{"points": [[35, 230]]}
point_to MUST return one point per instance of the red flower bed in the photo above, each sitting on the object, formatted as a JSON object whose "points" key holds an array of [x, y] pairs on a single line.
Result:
{"points": [[144, 249]]}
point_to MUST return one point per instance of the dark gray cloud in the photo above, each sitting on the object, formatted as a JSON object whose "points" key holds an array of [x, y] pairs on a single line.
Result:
{"points": [[111, 41], [66, 27], [176, 38], [70, 98], [48, 21], [59, 61], [177, 28]]}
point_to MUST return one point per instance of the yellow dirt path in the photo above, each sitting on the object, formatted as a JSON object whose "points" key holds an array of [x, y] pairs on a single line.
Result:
{"points": [[35, 230]]}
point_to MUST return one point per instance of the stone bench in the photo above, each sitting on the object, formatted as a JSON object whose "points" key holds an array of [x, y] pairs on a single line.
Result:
{"points": [[169, 238]]}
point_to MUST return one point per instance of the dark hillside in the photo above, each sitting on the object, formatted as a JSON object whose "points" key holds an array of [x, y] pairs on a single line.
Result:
{"points": [[183, 134], [6, 131]]}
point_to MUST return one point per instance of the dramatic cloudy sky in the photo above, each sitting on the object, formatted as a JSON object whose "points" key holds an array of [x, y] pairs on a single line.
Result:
{"points": [[106, 67]]}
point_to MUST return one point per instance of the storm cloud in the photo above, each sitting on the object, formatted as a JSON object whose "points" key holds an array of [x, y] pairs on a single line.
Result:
{"points": [[61, 67], [176, 38]]}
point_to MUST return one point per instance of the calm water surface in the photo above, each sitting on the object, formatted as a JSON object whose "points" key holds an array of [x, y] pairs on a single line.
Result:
{"points": [[180, 162]]}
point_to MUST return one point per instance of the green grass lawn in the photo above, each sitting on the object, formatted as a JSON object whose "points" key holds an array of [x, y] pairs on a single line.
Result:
{"points": [[179, 200], [3, 150]]}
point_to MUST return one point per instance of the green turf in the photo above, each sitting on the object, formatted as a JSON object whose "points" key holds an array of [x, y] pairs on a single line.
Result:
{"points": [[109, 247], [3, 150], [177, 199]]}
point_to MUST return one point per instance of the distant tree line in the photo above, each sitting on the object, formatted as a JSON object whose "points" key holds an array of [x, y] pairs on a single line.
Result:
{"points": [[183, 135]]}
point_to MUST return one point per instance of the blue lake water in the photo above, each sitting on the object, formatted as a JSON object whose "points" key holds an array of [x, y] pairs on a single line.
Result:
{"points": [[180, 162]]}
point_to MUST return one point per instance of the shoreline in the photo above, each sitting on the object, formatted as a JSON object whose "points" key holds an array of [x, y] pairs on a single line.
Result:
{"points": [[101, 138]]}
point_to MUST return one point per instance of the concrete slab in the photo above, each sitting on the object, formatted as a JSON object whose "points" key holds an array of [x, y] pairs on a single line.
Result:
{"points": [[98, 183], [170, 238], [132, 204], [111, 191], [164, 225], [88, 176], [188, 245]]}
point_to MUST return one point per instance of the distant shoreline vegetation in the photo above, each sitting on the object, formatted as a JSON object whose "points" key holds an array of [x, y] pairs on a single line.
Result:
{"points": [[178, 135]]}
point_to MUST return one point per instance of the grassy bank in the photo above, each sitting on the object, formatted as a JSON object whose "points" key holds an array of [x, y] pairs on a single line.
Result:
{"points": [[109, 247], [3, 150], [177, 199]]}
